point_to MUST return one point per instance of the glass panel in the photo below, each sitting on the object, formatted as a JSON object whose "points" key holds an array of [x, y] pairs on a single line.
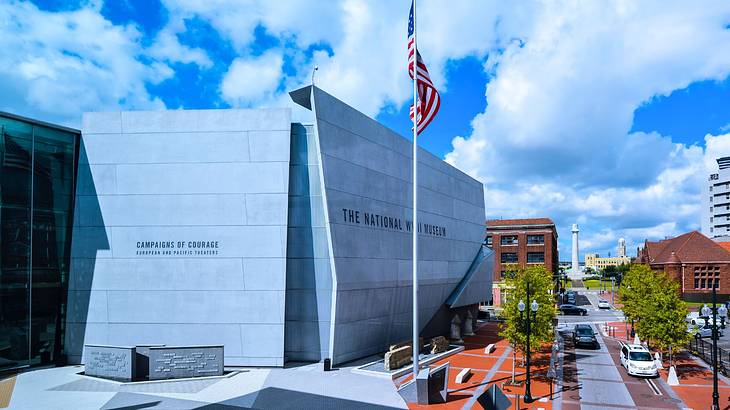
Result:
{"points": [[15, 202], [52, 201]]}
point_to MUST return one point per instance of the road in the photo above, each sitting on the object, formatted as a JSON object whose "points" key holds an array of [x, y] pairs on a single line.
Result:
{"points": [[594, 378]]}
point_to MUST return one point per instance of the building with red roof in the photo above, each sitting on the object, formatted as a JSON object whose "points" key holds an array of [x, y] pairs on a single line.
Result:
{"points": [[694, 260]]}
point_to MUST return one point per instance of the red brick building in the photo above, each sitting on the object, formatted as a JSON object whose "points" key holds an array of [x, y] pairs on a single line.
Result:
{"points": [[521, 242], [693, 260]]}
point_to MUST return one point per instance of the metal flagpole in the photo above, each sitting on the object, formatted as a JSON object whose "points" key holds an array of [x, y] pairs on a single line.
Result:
{"points": [[416, 345]]}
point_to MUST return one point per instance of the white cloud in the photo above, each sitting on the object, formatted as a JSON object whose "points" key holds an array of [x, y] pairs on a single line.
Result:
{"points": [[249, 81], [555, 137], [167, 47], [55, 66], [554, 140], [716, 147]]}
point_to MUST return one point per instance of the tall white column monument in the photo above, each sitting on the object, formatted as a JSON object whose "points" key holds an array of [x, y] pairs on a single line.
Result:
{"points": [[576, 266]]}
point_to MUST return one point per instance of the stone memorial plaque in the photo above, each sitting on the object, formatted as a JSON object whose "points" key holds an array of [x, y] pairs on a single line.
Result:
{"points": [[173, 362], [110, 362], [142, 361]]}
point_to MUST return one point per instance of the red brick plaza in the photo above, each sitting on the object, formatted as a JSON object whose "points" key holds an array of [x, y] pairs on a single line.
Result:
{"points": [[694, 392]]}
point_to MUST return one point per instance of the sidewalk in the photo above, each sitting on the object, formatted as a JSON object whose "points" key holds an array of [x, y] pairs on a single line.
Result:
{"points": [[490, 369], [695, 377]]}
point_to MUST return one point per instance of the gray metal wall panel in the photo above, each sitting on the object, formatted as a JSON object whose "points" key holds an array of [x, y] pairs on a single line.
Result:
{"points": [[367, 168], [309, 277]]}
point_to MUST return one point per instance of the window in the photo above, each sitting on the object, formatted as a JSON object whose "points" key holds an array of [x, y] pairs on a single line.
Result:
{"points": [[535, 239], [706, 276], [535, 257], [508, 240], [489, 241], [710, 188], [510, 257], [710, 199], [710, 219], [503, 274]]}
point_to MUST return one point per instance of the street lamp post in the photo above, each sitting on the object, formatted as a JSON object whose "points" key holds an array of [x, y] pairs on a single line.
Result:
{"points": [[533, 307], [722, 311]]}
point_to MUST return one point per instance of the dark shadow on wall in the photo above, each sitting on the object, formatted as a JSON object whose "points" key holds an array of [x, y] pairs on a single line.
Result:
{"points": [[87, 238], [301, 336]]}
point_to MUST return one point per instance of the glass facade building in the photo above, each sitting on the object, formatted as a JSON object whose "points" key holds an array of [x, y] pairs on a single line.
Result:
{"points": [[37, 184]]}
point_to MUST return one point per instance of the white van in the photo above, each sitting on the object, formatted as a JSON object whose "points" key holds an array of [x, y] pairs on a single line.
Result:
{"points": [[638, 361]]}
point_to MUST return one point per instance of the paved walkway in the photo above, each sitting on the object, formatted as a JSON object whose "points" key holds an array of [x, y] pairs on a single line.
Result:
{"points": [[296, 387], [491, 369]]}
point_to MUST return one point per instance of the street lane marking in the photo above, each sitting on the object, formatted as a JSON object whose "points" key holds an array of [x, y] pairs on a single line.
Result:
{"points": [[653, 387]]}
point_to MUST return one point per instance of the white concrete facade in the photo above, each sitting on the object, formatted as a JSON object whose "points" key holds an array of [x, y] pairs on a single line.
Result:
{"points": [[280, 241], [209, 191]]}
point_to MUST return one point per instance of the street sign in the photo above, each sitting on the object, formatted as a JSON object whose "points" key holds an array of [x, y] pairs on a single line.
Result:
{"points": [[494, 399]]}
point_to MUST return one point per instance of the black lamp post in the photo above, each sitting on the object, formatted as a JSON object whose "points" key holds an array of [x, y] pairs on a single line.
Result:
{"points": [[722, 311], [533, 307]]}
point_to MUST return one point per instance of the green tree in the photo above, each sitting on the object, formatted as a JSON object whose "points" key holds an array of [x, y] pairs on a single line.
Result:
{"points": [[637, 284], [664, 320], [541, 327], [651, 300]]}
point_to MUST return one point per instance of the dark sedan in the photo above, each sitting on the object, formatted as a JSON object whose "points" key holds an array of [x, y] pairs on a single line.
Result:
{"points": [[584, 335], [569, 309]]}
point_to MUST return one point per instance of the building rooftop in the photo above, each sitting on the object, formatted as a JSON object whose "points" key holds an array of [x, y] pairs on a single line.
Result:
{"points": [[689, 247], [493, 223], [725, 245]]}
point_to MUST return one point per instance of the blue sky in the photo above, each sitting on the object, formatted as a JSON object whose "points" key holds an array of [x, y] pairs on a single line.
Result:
{"points": [[595, 113]]}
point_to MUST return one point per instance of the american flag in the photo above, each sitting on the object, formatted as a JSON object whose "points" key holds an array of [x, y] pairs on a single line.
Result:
{"points": [[429, 99]]}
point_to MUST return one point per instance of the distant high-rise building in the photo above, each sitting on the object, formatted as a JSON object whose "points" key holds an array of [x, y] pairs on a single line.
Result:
{"points": [[716, 201], [621, 248]]}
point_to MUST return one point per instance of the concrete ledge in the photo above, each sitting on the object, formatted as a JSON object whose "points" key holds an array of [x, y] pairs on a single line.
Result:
{"points": [[394, 374], [463, 375], [490, 348]]}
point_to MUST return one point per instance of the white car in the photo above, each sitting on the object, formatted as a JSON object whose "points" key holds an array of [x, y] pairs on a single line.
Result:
{"points": [[699, 320], [638, 361], [603, 304], [701, 332]]}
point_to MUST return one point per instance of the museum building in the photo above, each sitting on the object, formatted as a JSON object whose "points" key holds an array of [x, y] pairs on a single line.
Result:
{"points": [[279, 240]]}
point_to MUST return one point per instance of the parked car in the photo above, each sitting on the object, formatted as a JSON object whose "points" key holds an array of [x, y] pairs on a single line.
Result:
{"points": [[701, 332], [603, 304], [638, 361], [571, 309], [584, 335], [697, 320]]}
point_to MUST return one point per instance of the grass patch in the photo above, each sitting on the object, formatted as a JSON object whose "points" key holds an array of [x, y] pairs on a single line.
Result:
{"points": [[697, 305], [595, 284]]}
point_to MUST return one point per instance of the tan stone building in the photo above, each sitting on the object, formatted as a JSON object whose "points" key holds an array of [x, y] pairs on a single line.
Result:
{"points": [[593, 260]]}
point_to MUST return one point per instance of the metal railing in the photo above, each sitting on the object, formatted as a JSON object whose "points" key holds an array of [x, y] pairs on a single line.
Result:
{"points": [[703, 349]]}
